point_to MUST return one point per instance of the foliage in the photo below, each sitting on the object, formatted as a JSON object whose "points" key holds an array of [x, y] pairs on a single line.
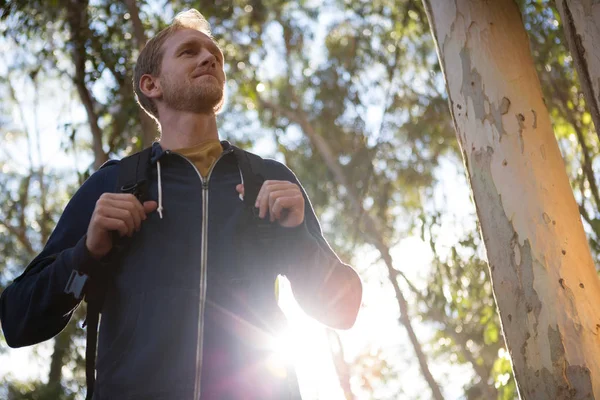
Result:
{"points": [[362, 75], [459, 300]]}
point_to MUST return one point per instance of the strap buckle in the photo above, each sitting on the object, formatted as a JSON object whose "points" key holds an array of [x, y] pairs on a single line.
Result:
{"points": [[76, 284], [137, 189]]}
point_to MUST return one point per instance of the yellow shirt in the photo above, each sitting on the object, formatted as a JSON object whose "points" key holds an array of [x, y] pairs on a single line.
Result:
{"points": [[203, 155]]}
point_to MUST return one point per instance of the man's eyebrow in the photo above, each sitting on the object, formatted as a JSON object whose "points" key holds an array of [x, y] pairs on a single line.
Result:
{"points": [[212, 46], [187, 43]]}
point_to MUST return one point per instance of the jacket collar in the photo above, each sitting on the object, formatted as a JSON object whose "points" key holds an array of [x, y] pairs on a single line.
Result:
{"points": [[158, 151]]}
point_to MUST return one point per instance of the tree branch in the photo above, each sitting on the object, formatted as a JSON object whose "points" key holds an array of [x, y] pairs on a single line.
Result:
{"points": [[77, 18], [341, 366], [20, 235], [149, 129]]}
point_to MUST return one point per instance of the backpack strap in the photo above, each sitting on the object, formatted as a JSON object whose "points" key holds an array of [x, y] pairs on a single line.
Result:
{"points": [[134, 174], [253, 175], [134, 177]]}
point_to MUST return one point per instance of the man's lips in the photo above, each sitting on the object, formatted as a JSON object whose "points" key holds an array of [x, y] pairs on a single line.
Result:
{"points": [[200, 74]]}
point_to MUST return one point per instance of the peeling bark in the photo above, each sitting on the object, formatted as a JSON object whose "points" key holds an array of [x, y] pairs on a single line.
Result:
{"points": [[581, 22], [543, 275]]}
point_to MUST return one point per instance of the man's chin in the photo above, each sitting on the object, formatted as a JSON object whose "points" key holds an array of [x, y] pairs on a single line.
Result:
{"points": [[203, 98], [208, 106]]}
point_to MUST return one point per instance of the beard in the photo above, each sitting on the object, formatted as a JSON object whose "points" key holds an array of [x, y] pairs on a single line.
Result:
{"points": [[202, 95]]}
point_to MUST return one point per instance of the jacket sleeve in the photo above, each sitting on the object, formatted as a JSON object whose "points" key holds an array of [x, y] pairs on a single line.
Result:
{"points": [[326, 288], [34, 307]]}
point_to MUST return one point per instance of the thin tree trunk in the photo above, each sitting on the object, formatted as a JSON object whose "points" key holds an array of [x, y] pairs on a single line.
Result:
{"points": [[488, 391], [62, 344], [581, 22], [373, 230], [543, 276], [341, 366], [138, 28], [149, 127], [482, 370], [78, 22], [44, 223]]}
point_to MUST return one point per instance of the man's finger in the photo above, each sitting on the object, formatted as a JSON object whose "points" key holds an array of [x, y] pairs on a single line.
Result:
{"points": [[277, 196], [113, 224], [121, 214], [149, 206], [124, 200], [284, 206], [269, 186], [262, 199], [264, 195], [136, 210]]}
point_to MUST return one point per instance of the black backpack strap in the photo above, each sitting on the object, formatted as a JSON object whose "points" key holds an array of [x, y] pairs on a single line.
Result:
{"points": [[91, 339], [253, 174], [134, 177], [253, 233], [134, 174]]}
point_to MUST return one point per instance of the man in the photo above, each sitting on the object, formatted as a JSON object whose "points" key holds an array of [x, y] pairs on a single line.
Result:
{"points": [[190, 304]]}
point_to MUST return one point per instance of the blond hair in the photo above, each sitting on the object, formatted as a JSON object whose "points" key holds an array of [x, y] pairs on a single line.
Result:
{"points": [[150, 58]]}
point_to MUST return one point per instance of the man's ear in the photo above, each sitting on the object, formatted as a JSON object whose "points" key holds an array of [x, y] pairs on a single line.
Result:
{"points": [[150, 86]]}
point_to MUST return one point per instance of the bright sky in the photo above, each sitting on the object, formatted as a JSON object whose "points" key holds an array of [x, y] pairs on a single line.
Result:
{"points": [[306, 344]]}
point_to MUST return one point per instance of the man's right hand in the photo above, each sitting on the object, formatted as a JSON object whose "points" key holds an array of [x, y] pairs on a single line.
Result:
{"points": [[121, 212]]}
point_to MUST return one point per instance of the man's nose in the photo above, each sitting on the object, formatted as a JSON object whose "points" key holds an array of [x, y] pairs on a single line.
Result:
{"points": [[207, 59]]}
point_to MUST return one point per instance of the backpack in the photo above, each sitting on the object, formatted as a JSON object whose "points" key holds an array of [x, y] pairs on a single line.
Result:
{"points": [[134, 176]]}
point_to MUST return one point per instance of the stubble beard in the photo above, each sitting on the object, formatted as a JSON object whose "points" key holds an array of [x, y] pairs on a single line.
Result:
{"points": [[196, 97]]}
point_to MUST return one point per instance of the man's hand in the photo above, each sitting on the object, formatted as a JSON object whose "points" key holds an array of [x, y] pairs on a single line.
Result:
{"points": [[121, 212], [282, 199]]}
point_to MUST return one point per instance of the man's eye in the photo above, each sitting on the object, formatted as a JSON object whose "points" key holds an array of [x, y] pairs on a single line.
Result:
{"points": [[187, 52]]}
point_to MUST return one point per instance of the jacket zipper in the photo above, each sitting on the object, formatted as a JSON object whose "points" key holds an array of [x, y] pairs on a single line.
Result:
{"points": [[203, 267]]}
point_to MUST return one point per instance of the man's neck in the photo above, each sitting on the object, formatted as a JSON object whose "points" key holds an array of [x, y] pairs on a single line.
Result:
{"points": [[183, 129]]}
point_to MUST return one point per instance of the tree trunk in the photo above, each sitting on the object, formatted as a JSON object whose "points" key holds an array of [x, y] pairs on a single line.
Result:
{"points": [[62, 344], [341, 366], [543, 276], [77, 18], [149, 127], [461, 339], [581, 21], [488, 391], [372, 226]]}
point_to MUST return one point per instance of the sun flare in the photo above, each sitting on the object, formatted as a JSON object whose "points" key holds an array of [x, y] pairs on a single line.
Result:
{"points": [[303, 345]]}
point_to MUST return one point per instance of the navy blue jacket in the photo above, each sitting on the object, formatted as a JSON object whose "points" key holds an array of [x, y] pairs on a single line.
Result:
{"points": [[191, 300]]}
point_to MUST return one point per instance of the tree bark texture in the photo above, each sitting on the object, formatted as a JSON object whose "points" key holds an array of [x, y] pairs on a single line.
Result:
{"points": [[581, 22], [543, 276]]}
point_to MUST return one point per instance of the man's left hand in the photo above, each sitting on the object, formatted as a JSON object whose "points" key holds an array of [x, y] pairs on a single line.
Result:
{"points": [[282, 199]]}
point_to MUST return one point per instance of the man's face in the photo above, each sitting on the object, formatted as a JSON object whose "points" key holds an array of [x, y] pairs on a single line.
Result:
{"points": [[192, 77]]}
